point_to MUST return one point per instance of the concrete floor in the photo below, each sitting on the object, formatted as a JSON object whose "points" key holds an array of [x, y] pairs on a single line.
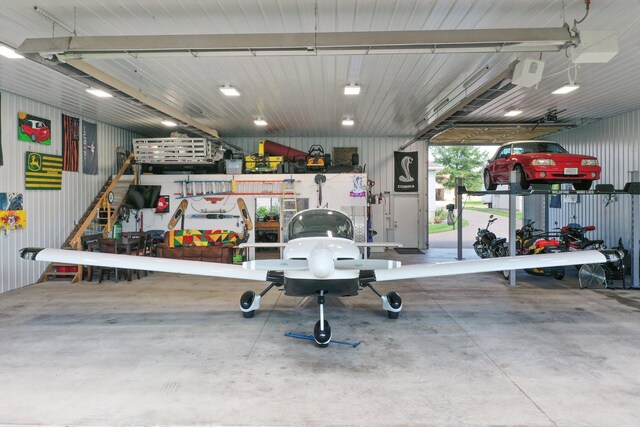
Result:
{"points": [[175, 350]]}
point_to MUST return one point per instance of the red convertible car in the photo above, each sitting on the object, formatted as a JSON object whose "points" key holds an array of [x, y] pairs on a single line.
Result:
{"points": [[37, 130], [540, 162]]}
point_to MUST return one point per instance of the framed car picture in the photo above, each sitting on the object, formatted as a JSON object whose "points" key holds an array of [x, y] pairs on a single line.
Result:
{"points": [[34, 129]]}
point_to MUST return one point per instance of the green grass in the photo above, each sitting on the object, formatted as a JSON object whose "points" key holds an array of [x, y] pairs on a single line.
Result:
{"points": [[496, 212], [474, 203], [441, 228]]}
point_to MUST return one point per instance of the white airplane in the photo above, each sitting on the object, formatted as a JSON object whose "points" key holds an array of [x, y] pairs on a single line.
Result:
{"points": [[321, 258]]}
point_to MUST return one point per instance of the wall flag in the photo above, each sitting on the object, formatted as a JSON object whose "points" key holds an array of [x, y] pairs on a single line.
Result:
{"points": [[405, 171], [70, 140], [89, 148], [43, 171]]}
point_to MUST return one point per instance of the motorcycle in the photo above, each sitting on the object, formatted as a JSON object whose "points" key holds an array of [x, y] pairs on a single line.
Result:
{"points": [[532, 241], [574, 238], [488, 245]]}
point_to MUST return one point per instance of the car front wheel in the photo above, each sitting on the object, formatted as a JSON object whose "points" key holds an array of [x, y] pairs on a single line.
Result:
{"points": [[488, 185]]}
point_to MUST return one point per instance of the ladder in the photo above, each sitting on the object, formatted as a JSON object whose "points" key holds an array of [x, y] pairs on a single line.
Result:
{"points": [[258, 187], [189, 189], [288, 207]]}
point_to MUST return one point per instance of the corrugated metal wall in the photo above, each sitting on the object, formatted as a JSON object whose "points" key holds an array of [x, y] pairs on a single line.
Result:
{"points": [[50, 214], [616, 143]]}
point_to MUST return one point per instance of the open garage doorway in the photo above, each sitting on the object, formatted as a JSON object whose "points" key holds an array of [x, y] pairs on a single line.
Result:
{"points": [[445, 163]]}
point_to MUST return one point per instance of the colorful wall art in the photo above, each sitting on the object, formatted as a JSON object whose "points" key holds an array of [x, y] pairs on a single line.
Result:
{"points": [[70, 142], [34, 129], [12, 214], [89, 148], [43, 171], [163, 204]]}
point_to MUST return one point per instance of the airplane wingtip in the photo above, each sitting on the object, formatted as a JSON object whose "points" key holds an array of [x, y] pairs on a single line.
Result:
{"points": [[30, 253]]}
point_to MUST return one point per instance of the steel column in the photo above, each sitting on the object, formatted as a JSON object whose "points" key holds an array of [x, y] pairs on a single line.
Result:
{"points": [[458, 220]]}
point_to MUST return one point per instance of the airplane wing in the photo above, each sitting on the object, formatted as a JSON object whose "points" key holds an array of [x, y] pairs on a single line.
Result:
{"points": [[490, 264], [257, 270], [302, 264], [167, 265]]}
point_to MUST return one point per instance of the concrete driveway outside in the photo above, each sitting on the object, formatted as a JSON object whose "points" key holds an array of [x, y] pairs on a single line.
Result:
{"points": [[477, 219]]}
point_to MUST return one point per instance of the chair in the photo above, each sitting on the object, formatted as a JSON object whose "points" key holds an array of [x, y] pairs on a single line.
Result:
{"points": [[109, 246], [90, 243], [139, 250]]}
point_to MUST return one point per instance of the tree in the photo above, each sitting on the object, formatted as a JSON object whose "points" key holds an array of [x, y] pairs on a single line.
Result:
{"points": [[460, 162]]}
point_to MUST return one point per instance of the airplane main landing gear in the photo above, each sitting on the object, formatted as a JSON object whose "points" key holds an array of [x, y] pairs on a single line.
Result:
{"points": [[322, 330], [250, 302], [390, 302]]}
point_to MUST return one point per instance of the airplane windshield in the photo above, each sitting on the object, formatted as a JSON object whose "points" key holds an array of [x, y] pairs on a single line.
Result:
{"points": [[320, 223]]}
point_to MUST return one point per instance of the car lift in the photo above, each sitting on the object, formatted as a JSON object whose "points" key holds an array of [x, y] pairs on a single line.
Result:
{"points": [[631, 188]]}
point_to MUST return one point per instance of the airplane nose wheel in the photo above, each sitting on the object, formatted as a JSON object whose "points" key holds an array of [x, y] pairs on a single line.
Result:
{"points": [[322, 336], [322, 330]]}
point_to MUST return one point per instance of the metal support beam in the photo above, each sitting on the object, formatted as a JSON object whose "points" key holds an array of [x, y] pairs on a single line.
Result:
{"points": [[458, 221], [514, 186], [423, 196], [635, 234], [505, 40], [427, 192], [151, 101]]}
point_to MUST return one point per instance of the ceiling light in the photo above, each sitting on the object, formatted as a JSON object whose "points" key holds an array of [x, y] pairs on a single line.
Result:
{"points": [[7, 52], [99, 93], [260, 122], [566, 89], [228, 90], [347, 122], [513, 112], [352, 89], [169, 123]]}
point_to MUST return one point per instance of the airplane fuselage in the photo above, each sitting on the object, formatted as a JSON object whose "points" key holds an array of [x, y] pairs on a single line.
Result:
{"points": [[321, 253]]}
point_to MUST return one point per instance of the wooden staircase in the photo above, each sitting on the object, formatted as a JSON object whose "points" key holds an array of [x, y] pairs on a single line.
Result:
{"points": [[99, 218]]}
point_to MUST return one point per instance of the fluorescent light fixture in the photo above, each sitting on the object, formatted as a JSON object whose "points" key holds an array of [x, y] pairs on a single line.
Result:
{"points": [[260, 122], [352, 89], [7, 52], [347, 122], [566, 89], [512, 113], [228, 90], [99, 93], [169, 123]]}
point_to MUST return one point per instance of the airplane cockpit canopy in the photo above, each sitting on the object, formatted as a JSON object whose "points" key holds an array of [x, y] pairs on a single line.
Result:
{"points": [[320, 223]]}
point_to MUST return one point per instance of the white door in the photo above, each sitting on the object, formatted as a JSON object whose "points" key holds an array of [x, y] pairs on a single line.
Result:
{"points": [[405, 219]]}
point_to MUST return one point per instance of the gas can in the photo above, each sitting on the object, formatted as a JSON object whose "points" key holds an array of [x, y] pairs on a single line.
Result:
{"points": [[117, 230]]}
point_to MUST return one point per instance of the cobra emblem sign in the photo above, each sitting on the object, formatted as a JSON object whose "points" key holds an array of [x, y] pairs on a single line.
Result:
{"points": [[405, 171], [404, 163]]}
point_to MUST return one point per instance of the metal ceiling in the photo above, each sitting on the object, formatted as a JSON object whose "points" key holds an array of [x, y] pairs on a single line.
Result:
{"points": [[302, 96]]}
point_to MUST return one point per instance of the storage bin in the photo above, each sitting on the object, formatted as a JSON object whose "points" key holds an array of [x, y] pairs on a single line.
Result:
{"points": [[233, 166]]}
